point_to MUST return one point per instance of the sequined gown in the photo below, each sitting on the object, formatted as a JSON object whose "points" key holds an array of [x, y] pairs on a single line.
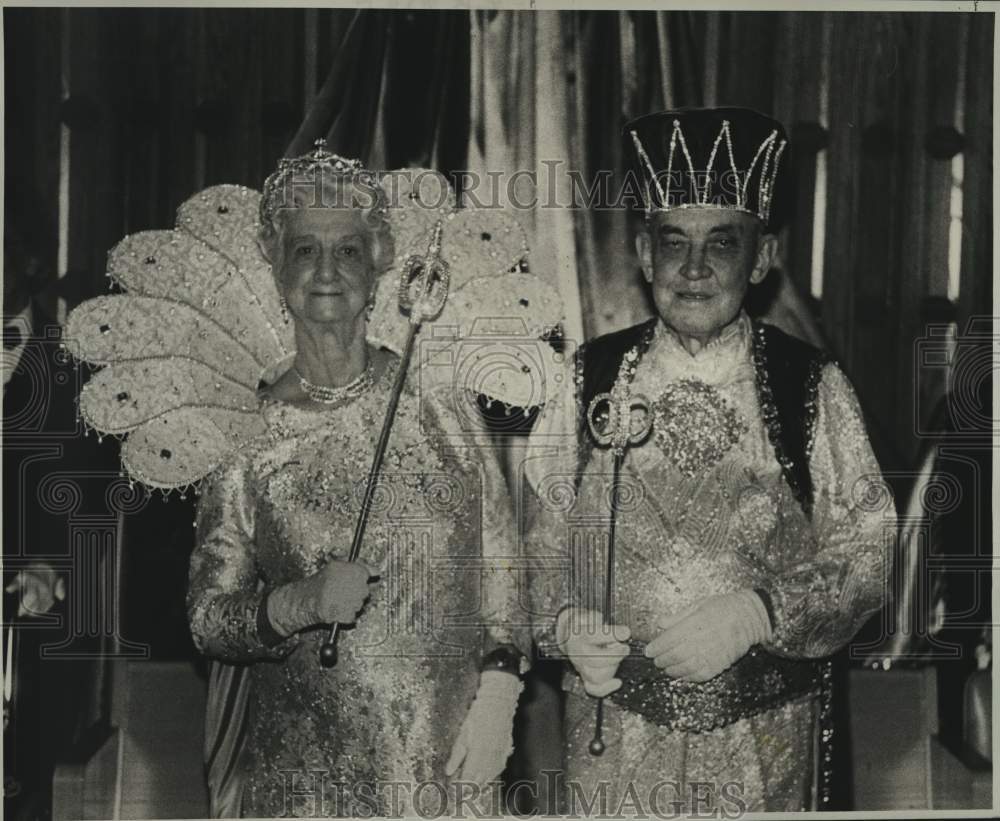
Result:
{"points": [[704, 510], [329, 741]]}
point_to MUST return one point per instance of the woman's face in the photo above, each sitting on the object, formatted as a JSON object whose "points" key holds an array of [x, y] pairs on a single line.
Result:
{"points": [[326, 269]]}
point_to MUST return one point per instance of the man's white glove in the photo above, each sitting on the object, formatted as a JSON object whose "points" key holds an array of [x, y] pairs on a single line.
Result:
{"points": [[40, 586], [334, 594], [593, 648], [486, 738], [700, 642]]}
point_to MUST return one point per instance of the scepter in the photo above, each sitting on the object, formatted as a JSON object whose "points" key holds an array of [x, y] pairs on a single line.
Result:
{"points": [[619, 433], [423, 290]]}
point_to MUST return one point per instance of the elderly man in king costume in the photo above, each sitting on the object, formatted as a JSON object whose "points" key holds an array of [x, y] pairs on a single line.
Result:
{"points": [[752, 526]]}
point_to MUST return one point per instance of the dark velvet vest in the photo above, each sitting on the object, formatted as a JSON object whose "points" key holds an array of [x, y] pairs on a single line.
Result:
{"points": [[788, 374]]}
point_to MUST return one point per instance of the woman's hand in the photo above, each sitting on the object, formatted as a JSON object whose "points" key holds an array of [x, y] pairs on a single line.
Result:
{"points": [[700, 642], [593, 648], [486, 738], [336, 593]]}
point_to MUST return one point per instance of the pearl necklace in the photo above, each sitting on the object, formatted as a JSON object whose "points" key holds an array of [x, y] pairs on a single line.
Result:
{"points": [[331, 396]]}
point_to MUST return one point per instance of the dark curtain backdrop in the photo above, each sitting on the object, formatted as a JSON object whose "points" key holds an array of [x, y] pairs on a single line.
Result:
{"points": [[397, 92], [148, 106]]}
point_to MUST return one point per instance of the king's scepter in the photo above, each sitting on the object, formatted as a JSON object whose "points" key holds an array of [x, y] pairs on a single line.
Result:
{"points": [[622, 429], [423, 290]]}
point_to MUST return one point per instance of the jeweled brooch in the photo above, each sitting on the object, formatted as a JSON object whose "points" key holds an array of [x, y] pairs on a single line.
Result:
{"points": [[695, 426]]}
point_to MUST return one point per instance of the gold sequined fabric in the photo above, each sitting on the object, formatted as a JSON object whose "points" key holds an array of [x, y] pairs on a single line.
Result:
{"points": [[439, 534], [759, 764], [719, 519]]}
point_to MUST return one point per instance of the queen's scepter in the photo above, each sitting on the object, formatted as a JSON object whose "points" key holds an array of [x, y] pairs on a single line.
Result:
{"points": [[423, 290], [622, 429]]}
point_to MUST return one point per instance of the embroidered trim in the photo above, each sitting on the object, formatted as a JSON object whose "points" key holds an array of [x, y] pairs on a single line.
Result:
{"points": [[769, 415], [826, 733], [626, 368], [812, 405], [629, 363]]}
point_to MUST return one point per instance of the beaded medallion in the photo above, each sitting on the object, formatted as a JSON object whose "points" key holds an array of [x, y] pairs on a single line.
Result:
{"points": [[695, 426]]}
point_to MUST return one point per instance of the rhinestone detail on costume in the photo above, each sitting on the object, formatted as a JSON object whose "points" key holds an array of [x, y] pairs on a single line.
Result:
{"points": [[695, 426]]}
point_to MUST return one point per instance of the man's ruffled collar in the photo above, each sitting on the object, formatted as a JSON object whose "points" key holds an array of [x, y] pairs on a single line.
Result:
{"points": [[734, 338]]}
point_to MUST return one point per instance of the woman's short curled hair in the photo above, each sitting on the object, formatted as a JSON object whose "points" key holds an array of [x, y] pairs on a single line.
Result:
{"points": [[325, 190]]}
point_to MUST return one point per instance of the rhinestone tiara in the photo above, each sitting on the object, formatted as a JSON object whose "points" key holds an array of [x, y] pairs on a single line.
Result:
{"points": [[319, 160]]}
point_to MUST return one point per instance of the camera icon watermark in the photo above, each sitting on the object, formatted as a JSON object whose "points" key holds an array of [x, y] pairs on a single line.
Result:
{"points": [[497, 377]]}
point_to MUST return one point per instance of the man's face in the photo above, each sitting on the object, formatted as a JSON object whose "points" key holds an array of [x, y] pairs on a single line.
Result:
{"points": [[699, 262], [326, 269]]}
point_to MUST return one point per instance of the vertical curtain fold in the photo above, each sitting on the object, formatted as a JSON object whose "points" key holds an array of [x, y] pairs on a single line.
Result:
{"points": [[347, 105], [392, 96]]}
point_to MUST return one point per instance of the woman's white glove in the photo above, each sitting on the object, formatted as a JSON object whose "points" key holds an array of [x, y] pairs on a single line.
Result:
{"points": [[334, 594], [486, 738], [700, 642], [594, 648]]}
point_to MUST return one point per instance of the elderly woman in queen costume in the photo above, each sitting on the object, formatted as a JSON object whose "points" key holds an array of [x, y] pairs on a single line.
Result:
{"points": [[752, 532], [276, 521], [416, 714]]}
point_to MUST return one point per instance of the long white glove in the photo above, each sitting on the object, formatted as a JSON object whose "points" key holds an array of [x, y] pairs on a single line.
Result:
{"points": [[486, 738], [335, 593], [593, 648], [700, 642]]}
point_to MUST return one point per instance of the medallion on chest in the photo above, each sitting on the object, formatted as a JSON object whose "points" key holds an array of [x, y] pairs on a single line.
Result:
{"points": [[694, 426]]}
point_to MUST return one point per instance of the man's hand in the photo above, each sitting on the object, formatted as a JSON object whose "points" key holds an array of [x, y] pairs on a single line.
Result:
{"points": [[486, 738], [699, 643], [40, 587], [336, 593], [593, 648]]}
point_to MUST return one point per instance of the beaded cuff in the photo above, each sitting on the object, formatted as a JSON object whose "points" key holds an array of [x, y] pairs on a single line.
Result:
{"points": [[268, 636], [507, 659]]}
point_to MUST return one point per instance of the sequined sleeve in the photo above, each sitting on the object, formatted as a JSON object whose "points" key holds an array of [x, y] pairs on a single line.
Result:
{"points": [[548, 554], [549, 499], [224, 587], [828, 591], [506, 622], [507, 619]]}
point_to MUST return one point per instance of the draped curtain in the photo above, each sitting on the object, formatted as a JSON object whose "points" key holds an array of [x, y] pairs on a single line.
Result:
{"points": [[397, 92]]}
